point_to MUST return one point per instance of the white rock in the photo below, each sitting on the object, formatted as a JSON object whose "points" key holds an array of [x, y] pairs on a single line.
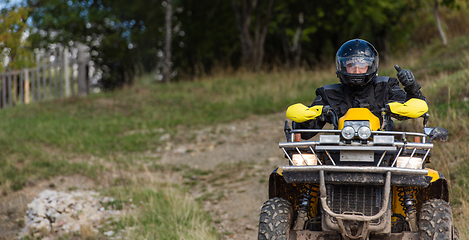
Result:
{"points": [[165, 137], [75, 227], [67, 211], [181, 149], [43, 224], [37, 219]]}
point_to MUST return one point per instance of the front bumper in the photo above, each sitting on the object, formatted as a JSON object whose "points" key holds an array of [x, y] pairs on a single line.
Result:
{"points": [[357, 175]]}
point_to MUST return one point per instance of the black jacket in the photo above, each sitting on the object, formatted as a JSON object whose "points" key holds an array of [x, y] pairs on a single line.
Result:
{"points": [[375, 96]]}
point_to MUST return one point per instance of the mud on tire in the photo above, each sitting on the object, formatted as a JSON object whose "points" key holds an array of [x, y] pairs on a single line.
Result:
{"points": [[436, 221], [275, 220]]}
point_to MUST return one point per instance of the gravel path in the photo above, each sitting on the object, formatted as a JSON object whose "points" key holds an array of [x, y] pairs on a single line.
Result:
{"points": [[230, 166], [240, 156]]}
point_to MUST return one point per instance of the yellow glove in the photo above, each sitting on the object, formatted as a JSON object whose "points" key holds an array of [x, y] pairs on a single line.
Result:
{"points": [[301, 113], [413, 108]]}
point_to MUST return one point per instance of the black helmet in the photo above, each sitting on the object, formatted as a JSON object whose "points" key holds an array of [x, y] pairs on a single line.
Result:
{"points": [[356, 53]]}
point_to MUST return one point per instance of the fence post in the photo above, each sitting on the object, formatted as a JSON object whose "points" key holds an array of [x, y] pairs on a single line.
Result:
{"points": [[4, 91], [49, 72], [82, 74], [10, 79], [32, 84], [22, 77], [44, 85], [2, 78], [66, 73], [61, 71], [26, 87], [37, 80], [15, 88], [55, 67]]}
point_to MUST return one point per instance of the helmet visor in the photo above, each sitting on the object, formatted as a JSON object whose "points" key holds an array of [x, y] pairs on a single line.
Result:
{"points": [[356, 65]]}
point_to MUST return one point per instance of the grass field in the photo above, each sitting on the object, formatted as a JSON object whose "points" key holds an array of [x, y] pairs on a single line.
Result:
{"points": [[39, 141]]}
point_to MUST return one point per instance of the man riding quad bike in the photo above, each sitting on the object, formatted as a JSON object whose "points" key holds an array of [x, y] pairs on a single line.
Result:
{"points": [[361, 180]]}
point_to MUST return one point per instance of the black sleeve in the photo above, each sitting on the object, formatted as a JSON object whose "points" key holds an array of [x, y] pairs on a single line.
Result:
{"points": [[312, 124], [396, 94], [414, 92]]}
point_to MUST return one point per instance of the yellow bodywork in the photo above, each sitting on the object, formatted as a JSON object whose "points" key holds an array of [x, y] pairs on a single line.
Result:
{"points": [[280, 171], [413, 108], [434, 174], [360, 114], [396, 204], [300, 113]]}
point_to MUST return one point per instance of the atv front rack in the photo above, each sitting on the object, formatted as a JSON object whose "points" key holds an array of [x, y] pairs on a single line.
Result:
{"points": [[333, 143]]}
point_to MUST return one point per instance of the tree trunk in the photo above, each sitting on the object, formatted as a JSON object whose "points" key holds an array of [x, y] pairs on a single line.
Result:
{"points": [[252, 43], [292, 49], [168, 38], [296, 48], [438, 23]]}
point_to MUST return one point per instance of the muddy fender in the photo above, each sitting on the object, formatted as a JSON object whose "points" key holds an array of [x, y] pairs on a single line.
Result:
{"points": [[438, 188], [277, 184]]}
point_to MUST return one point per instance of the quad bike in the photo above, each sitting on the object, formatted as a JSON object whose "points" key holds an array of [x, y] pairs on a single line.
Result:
{"points": [[358, 181]]}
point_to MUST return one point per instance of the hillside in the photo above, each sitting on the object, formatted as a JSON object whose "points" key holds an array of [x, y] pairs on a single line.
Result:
{"points": [[210, 144]]}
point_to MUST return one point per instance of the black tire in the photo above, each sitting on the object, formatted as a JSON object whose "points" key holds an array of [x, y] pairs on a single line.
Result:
{"points": [[275, 220], [436, 220]]}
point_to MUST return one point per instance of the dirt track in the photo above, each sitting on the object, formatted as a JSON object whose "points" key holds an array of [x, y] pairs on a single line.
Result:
{"points": [[241, 155], [229, 165]]}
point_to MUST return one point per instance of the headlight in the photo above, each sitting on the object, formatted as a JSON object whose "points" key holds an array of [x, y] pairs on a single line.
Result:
{"points": [[304, 159], [348, 132], [364, 132], [414, 163]]}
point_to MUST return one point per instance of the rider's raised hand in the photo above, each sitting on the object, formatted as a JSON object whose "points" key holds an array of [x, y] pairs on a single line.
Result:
{"points": [[405, 76]]}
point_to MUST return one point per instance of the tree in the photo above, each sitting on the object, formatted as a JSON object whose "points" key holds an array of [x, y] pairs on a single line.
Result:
{"points": [[252, 47], [207, 38], [447, 3], [438, 23], [128, 37], [168, 40], [100, 25], [291, 40], [13, 44]]}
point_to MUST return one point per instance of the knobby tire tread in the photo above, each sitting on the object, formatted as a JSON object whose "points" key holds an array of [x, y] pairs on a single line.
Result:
{"points": [[436, 221], [275, 220]]}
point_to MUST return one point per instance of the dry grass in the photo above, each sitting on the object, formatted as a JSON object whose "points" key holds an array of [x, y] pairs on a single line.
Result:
{"points": [[450, 158], [160, 211], [101, 125]]}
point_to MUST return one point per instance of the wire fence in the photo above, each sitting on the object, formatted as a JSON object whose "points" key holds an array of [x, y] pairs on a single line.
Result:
{"points": [[59, 73]]}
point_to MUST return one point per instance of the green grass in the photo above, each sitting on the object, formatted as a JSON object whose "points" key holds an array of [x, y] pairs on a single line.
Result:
{"points": [[128, 121], [438, 59], [446, 86], [133, 120], [161, 213], [46, 139]]}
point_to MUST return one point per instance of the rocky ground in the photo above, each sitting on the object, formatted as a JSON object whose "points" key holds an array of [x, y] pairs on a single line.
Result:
{"points": [[239, 158], [227, 167], [13, 206]]}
